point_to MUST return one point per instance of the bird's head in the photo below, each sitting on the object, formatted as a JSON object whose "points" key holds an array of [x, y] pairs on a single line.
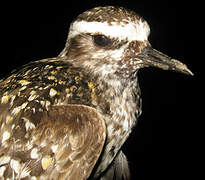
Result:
{"points": [[113, 40]]}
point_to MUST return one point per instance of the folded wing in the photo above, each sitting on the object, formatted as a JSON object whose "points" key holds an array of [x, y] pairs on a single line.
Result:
{"points": [[65, 143]]}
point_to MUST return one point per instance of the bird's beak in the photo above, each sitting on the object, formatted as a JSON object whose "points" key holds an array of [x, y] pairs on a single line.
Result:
{"points": [[152, 57]]}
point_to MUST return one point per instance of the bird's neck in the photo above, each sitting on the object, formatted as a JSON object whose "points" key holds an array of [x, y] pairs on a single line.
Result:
{"points": [[120, 104], [123, 99], [113, 94], [117, 98]]}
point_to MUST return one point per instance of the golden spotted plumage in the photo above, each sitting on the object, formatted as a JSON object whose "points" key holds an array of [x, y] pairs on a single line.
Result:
{"points": [[27, 97], [68, 117]]}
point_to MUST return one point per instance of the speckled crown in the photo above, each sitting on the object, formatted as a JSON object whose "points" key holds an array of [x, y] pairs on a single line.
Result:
{"points": [[109, 14]]}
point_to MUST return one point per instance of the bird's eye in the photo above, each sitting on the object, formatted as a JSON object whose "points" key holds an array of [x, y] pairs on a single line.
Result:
{"points": [[101, 40]]}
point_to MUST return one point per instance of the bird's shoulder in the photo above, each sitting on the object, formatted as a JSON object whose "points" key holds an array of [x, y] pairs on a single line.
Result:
{"points": [[49, 80], [46, 123]]}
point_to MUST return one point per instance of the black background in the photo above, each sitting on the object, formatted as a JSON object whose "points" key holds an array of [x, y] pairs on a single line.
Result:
{"points": [[164, 143]]}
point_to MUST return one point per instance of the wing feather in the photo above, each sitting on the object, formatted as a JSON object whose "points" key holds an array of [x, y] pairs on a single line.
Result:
{"points": [[118, 169], [65, 144]]}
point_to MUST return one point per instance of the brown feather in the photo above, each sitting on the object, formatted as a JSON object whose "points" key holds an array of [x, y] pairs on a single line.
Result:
{"points": [[53, 112], [65, 144], [118, 169]]}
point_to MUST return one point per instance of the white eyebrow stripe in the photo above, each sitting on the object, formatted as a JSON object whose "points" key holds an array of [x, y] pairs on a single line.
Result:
{"points": [[130, 31]]}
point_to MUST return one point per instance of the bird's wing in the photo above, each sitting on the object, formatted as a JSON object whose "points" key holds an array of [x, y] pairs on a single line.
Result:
{"points": [[64, 144], [118, 169]]}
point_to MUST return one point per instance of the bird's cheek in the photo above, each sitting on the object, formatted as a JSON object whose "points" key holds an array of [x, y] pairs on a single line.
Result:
{"points": [[117, 54], [135, 47], [129, 59]]}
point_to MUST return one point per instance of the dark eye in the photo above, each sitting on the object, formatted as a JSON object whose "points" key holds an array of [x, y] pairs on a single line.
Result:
{"points": [[102, 41]]}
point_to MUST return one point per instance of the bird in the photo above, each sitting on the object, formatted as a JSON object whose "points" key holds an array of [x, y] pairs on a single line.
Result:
{"points": [[67, 117]]}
